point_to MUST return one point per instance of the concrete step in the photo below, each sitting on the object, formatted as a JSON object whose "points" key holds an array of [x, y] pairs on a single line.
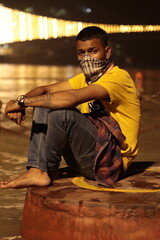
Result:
{"points": [[74, 208]]}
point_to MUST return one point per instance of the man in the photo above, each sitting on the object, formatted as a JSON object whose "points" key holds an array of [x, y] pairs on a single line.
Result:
{"points": [[101, 140]]}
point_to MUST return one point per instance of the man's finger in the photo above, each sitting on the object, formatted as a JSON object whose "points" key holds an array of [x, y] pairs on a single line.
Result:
{"points": [[19, 118]]}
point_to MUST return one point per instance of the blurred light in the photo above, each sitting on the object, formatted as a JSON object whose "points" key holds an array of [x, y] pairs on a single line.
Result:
{"points": [[88, 10], [13, 24], [29, 9], [22, 26], [6, 46]]}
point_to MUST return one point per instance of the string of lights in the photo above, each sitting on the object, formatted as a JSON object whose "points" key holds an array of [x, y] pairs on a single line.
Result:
{"points": [[18, 26]]}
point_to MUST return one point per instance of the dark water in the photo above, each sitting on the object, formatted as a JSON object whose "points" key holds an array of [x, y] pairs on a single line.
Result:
{"points": [[18, 79]]}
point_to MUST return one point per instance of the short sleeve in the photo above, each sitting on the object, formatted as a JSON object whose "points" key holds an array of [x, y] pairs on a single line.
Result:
{"points": [[78, 81]]}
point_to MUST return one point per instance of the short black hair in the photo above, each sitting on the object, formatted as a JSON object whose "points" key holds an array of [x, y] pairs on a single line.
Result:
{"points": [[93, 32]]}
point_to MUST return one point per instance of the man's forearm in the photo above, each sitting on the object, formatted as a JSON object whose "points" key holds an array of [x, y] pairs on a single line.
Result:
{"points": [[56, 100], [51, 100], [36, 91], [45, 100], [51, 88]]}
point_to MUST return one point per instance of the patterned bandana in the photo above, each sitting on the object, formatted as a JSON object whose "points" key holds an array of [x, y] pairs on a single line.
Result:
{"points": [[94, 68]]}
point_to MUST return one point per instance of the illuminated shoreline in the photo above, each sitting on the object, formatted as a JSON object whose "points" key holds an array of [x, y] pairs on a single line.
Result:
{"points": [[18, 26]]}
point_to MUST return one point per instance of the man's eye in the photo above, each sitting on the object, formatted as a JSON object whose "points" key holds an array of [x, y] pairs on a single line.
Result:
{"points": [[80, 53]]}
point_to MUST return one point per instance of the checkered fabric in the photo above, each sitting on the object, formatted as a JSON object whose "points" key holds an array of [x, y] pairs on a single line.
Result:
{"points": [[109, 163]]}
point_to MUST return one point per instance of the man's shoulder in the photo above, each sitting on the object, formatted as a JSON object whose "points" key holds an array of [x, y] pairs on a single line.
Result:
{"points": [[116, 74], [117, 70]]}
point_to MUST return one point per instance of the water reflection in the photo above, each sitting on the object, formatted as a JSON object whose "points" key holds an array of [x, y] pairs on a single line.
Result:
{"points": [[18, 79]]}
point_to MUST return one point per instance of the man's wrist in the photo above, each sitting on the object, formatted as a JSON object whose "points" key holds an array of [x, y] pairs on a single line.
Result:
{"points": [[21, 101]]}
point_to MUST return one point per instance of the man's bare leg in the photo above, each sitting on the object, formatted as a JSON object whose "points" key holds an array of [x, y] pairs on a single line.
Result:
{"points": [[33, 177]]}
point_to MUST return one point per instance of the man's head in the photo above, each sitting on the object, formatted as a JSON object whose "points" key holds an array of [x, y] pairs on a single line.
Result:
{"points": [[94, 42], [93, 32], [93, 52]]}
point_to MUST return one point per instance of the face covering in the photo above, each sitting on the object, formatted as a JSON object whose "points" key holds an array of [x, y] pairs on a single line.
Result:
{"points": [[93, 68]]}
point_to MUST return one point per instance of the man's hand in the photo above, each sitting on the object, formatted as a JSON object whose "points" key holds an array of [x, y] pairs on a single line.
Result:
{"points": [[14, 112], [12, 106]]}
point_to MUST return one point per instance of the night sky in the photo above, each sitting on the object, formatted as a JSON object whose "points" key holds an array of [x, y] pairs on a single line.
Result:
{"points": [[100, 11]]}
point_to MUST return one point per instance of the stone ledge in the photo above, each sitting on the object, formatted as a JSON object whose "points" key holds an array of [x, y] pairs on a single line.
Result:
{"points": [[66, 211]]}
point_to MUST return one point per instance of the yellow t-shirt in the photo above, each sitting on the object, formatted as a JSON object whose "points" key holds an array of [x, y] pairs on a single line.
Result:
{"points": [[124, 106]]}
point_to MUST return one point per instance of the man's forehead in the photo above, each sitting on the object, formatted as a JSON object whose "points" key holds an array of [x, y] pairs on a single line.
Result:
{"points": [[94, 42]]}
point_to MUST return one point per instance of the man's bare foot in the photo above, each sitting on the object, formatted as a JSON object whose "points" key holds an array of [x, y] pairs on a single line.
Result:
{"points": [[33, 177]]}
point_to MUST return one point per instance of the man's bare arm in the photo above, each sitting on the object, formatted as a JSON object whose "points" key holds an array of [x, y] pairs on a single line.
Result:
{"points": [[63, 99], [66, 99], [18, 115], [55, 87]]}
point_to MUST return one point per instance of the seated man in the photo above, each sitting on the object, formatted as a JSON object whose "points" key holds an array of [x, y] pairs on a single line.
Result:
{"points": [[100, 140]]}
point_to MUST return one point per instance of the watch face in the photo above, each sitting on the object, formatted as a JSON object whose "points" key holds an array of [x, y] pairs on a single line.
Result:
{"points": [[20, 100]]}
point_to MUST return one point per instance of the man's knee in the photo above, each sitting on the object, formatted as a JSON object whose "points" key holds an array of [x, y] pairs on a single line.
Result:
{"points": [[62, 116], [40, 113]]}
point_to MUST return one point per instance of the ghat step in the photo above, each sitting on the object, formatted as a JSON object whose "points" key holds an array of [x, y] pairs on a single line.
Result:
{"points": [[78, 209]]}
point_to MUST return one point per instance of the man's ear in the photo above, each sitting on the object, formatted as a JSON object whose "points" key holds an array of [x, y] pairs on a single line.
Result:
{"points": [[108, 52]]}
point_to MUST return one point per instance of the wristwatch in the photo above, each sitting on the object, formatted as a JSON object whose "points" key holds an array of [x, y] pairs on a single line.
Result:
{"points": [[20, 100]]}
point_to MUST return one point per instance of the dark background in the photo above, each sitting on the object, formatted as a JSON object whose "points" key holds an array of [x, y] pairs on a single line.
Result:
{"points": [[102, 11], [140, 50]]}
